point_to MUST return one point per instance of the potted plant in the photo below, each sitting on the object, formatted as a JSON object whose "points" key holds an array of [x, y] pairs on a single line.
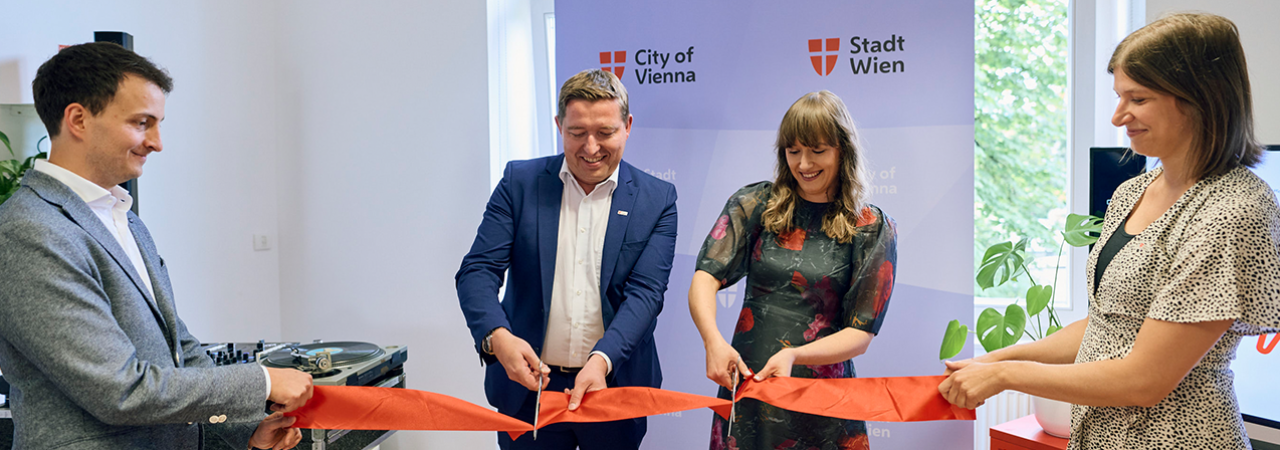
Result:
{"points": [[11, 170], [1000, 264]]}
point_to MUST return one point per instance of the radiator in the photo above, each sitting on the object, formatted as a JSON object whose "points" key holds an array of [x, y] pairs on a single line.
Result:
{"points": [[1005, 406]]}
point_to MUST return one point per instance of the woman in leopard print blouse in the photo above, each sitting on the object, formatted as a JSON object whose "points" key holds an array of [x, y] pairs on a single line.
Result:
{"points": [[1188, 262]]}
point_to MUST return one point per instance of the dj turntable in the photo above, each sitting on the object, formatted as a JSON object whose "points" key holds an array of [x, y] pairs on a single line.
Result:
{"points": [[330, 364], [341, 363]]}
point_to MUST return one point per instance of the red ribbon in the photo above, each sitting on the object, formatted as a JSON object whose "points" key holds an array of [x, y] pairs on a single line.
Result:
{"points": [[375, 408], [899, 399], [895, 399], [621, 403]]}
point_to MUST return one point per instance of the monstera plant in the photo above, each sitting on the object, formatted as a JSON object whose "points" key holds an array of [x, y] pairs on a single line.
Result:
{"points": [[1002, 263], [11, 170]]}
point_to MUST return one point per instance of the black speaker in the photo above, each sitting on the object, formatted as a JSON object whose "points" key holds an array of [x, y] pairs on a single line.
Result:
{"points": [[125, 40]]}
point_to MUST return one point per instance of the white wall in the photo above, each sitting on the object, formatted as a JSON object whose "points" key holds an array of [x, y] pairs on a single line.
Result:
{"points": [[214, 184], [383, 179], [1260, 37], [354, 135]]}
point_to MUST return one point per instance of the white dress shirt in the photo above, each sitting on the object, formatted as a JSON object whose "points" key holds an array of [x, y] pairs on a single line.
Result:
{"points": [[112, 208], [574, 322]]}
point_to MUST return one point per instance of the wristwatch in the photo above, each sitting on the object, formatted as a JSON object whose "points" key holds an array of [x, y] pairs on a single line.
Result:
{"points": [[487, 345]]}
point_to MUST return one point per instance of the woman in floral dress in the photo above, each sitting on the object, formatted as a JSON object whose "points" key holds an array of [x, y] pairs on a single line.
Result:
{"points": [[819, 263]]}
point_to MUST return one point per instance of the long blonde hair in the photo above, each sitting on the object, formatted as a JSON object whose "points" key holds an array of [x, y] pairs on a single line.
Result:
{"points": [[815, 119]]}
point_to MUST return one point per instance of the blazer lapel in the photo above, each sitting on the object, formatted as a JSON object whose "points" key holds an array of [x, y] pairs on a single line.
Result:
{"points": [[624, 197], [75, 208], [163, 293], [550, 191]]}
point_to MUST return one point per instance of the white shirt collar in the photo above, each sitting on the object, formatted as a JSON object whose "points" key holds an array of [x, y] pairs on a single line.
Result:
{"points": [[567, 177], [87, 190]]}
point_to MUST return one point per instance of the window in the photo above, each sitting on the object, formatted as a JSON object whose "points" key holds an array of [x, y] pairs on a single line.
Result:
{"points": [[1020, 137]]}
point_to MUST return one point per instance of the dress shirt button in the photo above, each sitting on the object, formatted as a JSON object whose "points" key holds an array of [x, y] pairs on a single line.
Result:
{"points": [[582, 230], [579, 292], [213, 419]]}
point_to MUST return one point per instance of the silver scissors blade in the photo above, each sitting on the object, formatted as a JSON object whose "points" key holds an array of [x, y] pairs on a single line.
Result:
{"points": [[733, 406], [538, 405]]}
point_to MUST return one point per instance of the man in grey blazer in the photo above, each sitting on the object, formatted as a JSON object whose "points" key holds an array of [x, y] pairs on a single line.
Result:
{"points": [[89, 335]]}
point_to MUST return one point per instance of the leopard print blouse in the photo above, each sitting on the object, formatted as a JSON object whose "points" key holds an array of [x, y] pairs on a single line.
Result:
{"points": [[1214, 255]]}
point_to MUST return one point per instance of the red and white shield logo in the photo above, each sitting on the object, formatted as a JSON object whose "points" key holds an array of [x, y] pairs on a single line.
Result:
{"points": [[817, 55], [614, 59]]}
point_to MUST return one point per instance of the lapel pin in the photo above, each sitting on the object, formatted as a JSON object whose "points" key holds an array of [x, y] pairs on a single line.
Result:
{"points": [[621, 212]]}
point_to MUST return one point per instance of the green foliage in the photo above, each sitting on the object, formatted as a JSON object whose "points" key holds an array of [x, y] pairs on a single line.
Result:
{"points": [[1005, 259], [1020, 123], [1020, 163], [953, 340], [1038, 297], [1081, 230], [11, 170], [995, 330]]}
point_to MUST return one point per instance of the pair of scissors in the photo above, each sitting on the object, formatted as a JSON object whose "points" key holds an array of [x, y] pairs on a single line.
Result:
{"points": [[733, 373], [538, 404]]}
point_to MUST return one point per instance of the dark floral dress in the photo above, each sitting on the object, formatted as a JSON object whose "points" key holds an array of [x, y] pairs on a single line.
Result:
{"points": [[801, 286]]}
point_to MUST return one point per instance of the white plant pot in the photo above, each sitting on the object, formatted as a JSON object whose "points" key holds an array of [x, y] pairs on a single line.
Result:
{"points": [[1054, 416]]}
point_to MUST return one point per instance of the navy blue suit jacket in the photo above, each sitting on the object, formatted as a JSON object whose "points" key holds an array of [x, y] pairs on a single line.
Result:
{"points": [[518, 238]]}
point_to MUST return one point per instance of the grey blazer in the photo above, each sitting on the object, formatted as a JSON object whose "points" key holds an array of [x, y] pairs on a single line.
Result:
{"points": [[95, 362]]}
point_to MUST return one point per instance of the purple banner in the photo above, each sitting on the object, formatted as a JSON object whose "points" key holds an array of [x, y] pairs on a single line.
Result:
{"points": [[709, 82]]}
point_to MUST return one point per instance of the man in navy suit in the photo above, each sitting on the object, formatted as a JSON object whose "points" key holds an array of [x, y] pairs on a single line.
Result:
{"points": [[585, 242]]}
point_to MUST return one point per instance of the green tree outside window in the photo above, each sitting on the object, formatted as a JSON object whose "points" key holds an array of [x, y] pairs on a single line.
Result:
{"points": [[1020, 129]]}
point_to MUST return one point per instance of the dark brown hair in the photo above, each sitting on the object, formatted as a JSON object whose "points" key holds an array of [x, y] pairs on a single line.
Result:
{"points": [[88, 74]]}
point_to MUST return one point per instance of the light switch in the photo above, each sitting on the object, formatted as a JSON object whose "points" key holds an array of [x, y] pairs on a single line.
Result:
{"points": [[261, 242]]}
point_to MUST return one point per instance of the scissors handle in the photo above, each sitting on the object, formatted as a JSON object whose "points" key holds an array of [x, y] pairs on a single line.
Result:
{"points": [[538, 404], [733, 396]]}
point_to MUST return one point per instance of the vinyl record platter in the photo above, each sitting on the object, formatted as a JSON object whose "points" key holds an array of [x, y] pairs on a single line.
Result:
{"points": [[330, 364], [339, 363]]}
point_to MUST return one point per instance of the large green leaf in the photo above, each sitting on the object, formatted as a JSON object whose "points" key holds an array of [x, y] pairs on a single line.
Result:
{"points": [[5, 140], [997, 331], [953, 341], [1082, 230], [1038, 298], [1003, 260], [11, 167], [1052, 329]]}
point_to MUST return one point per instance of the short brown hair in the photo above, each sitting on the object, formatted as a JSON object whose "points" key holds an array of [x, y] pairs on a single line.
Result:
{"points": [[1198, 59], [592, 85], [88, 74], [815, 119]]}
